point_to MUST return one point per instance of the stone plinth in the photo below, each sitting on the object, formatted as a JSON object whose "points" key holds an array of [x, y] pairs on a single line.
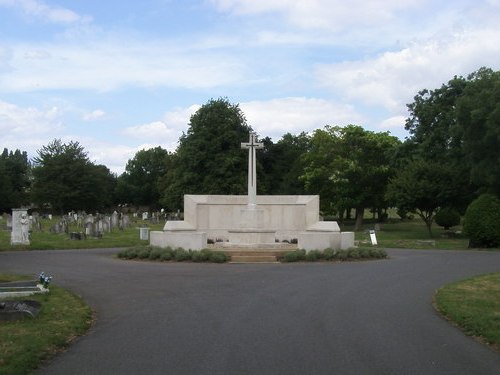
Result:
{"points": [[251, 236], [346, 240], [315, 240], [186, 239]]}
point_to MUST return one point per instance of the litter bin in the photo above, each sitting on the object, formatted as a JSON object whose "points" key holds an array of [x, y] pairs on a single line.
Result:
{"points": [[144, 234]]}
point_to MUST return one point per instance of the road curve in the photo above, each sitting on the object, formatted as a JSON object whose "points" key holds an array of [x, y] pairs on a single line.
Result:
{"points": [[343, 318]]}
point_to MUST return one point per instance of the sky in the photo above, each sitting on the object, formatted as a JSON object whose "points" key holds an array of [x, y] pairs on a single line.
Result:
{"points": [[122, 76]]}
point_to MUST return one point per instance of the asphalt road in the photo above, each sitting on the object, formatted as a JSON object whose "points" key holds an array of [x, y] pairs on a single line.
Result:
{"points": [[345, 318]]}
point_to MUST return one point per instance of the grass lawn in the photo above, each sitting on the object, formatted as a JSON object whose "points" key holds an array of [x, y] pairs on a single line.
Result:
{"points": [[45, 240], [474, 306], [24, 344], [410, 234]]}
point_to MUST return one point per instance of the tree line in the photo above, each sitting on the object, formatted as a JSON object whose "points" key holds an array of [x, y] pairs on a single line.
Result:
{"points": [[449, 158]]}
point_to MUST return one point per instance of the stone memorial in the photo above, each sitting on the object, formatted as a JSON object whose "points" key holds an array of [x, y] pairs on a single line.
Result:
{"points": [[20, 227], [252, 221], [115, 220], [16, 310]]}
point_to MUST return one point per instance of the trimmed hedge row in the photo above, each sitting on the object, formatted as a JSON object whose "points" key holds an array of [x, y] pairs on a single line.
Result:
{"points": [[334, 255], [169, 254]]}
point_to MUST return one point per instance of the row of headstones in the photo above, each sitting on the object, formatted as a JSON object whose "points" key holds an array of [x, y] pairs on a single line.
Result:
{"points": [[101, 223]]}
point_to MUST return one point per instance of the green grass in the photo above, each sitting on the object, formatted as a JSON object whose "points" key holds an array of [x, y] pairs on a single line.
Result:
{"points": [[26, 343], [47, 241], [411, 234], [474, 306]]}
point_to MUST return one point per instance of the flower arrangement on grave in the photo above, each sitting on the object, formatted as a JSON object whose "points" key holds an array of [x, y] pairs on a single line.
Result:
{"points": [[44, 279]]}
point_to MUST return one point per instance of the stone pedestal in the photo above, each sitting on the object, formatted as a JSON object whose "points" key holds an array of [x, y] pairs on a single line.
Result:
{"points": [[251, 236], [189, 240]]}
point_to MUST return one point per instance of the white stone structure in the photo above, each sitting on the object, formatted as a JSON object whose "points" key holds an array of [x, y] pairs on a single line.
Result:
{"points": [[251, 221], [20, 227]]}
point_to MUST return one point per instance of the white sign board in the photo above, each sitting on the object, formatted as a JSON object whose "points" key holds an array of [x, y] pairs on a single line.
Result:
{"points": [[373, 237]]}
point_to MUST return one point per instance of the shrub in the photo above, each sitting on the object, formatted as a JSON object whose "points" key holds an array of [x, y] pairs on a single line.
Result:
{"points": [[314, 255], [218, 257], [447, 217], [201, 256], [353, 254], [482, 221], [364, 252], [130, 253], [181, 255], [155, 253], [378, 253], [166, 254], [144, 253], [291, 257], [341, 255], [329, 254]]}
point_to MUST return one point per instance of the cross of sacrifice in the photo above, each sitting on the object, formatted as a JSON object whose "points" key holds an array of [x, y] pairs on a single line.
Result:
{"points": [[252, 145]]}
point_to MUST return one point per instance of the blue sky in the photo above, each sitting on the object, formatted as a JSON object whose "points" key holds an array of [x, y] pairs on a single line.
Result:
{"points": [[121, 76]]}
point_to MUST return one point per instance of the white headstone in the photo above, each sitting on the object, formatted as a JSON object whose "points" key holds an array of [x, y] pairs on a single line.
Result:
{"points": [[20, 227]]}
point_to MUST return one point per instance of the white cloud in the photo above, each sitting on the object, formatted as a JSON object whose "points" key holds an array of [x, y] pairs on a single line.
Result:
{"points": [[109, 64], [39, 9], [94, 115], [165, 132], [276, 117], [395, 122], [321, 14], [18, 121], [393, 78]]}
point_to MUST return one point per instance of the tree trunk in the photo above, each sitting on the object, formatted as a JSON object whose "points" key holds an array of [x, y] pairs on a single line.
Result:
{"points": [[359, 218]]}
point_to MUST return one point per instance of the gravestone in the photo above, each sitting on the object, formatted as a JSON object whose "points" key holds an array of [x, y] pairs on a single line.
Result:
{"points": [[8, 219], [114, 220], [20, 227], [16, 310], [125, 221], [89, 229], [145, 216]]}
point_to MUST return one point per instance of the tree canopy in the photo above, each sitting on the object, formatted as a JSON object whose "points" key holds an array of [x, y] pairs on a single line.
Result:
{"points": [[140, 183], [209, 159], [14, 179], [65, 179], [349, 167]]}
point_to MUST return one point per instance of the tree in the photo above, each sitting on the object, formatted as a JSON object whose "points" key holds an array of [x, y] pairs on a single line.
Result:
{"points": [[282, 164], [14, 179], [350, 168], [139, 184], [65, 179], [478, 115], [422, 187], [209, 159], [482, 221], [457, 124]]}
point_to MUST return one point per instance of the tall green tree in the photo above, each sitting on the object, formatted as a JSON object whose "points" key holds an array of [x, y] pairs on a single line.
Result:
{"points": [[422, 187], [15, 172], [457, 124], [351, 167], [140, 183], [282, 164], [478, 118], [65, 179], [209, 158]]}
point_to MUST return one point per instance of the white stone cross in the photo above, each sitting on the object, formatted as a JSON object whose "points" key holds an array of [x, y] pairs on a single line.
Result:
{"points": [[252, 145]]}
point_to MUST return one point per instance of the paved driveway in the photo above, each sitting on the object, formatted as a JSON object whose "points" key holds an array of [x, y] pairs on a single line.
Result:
{"points": [[348, 318]]}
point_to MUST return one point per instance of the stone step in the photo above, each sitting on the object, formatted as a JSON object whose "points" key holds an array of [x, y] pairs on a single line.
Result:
{"points": [[253, 259], [270, 252]]}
